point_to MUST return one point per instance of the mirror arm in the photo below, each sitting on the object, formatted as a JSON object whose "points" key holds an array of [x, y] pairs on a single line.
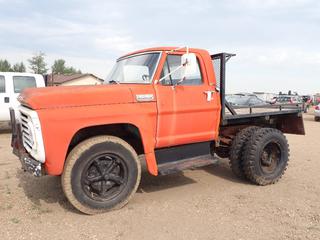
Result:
{"points": [[161, 79], [181, 80]]}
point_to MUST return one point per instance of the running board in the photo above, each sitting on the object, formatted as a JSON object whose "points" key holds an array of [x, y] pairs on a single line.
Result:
{"points": [[189, 163]]}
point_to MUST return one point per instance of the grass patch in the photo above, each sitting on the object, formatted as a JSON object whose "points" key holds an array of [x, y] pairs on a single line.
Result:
{"points": [[40, 210], [15, 220]]}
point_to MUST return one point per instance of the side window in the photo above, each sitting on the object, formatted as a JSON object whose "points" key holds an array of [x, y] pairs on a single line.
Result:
{"points": [[22, 82], [171, 64], [2, 84]]}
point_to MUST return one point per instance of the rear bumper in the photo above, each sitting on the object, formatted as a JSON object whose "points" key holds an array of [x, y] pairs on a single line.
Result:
{"points": [[28, 163], [317, 113]]}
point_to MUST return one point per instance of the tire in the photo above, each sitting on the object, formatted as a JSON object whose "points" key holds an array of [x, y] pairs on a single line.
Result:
{"points": [[266, 156], [101, 174], [317, 119], [236, 150]]}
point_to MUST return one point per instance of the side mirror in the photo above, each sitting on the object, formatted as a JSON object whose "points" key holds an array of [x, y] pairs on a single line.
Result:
{"points": [[190, 65]]}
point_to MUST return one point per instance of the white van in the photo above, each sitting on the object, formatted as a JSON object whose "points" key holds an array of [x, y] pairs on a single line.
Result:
{"points": [[11, 85]]}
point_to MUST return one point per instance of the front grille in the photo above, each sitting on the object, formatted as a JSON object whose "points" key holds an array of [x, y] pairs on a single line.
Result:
{"points": [[27, 137]]}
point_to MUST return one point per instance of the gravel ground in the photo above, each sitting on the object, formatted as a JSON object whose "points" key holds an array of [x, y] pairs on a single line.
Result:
{"points": [[207, 203]]}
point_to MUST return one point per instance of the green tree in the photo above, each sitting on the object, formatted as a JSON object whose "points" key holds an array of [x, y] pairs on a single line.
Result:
{"points": [[71, 70], [37, 63], [19, 67], [5, 66], [59, 67]]}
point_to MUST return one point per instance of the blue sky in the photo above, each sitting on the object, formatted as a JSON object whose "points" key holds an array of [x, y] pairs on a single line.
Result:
{"points": [[276, 41]]}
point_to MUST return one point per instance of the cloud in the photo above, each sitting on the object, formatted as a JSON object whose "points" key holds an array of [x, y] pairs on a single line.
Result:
{"points": [[276, 41], [268, 4], [117, 43]]}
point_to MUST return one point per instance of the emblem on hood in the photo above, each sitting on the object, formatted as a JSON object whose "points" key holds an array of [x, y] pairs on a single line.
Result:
{"points": [[144, 97]]}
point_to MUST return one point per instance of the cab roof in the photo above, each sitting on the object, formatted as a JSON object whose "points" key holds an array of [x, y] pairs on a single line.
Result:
{"points": [[165, 49]]}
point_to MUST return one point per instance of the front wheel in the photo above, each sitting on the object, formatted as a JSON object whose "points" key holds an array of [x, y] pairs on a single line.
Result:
{"points": [[101, 174], [266, 156]]}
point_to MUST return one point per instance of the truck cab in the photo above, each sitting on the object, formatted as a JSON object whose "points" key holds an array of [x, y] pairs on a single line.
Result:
{"points": [[164, 105], [11, 85], [181, 99]]}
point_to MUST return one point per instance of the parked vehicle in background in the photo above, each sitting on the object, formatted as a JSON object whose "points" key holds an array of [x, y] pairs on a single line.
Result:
{"points": [[267, 97], [317, 113], [289, 99], [273, 100], [164, 104], [307, 101], [11, 85], [294, 100], [242, 100], [316, 99]]}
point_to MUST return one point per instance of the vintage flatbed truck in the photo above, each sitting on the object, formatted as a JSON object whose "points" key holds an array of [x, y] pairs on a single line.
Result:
{"points": [[165, 104]]}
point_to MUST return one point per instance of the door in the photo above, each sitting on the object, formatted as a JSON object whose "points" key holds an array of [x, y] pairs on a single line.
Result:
{"points": [[188, 111], [4, 99]]}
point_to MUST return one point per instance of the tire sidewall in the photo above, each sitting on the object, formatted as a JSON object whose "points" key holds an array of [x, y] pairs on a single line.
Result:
{"points": [[81, 163], [77, 162], [279, 139], [237, 149]]}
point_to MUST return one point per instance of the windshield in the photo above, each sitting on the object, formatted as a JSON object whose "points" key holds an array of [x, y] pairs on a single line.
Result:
{"points": [[135, 69]]}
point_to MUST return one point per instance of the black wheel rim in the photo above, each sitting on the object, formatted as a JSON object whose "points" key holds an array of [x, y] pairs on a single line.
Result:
{"points": [[104, 177], [270, 158]]}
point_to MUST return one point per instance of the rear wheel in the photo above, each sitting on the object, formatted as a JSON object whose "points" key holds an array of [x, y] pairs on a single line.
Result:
{"points": [[237, 148], [101, 174], [317, 119], [265, 157]]}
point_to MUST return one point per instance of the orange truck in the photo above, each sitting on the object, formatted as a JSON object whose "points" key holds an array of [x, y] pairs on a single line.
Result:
{"points": [[165, 106]]}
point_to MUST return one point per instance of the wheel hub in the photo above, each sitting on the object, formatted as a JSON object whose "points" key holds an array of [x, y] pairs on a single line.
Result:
{"points": [[104, 177], [270, 157]]}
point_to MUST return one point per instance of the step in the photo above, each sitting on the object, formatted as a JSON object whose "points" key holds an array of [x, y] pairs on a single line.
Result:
{"points": [[189, 163]]}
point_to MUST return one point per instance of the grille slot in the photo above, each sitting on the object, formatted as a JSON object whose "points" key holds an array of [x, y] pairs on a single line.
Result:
{"points": [[27, 137]]}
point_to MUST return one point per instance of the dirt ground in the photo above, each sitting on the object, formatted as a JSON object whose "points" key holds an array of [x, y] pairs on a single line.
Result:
{"points": [[207, 203]]}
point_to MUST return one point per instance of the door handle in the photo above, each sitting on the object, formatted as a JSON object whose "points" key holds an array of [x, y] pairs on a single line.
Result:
{"points": [[209, 94], [6, 99]]}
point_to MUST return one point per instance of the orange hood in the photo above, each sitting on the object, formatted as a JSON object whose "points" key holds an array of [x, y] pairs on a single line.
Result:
{"points": [[72, 96]]}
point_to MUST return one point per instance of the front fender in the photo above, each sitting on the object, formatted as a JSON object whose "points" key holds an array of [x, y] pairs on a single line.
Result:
{"points": [[59, 125]]}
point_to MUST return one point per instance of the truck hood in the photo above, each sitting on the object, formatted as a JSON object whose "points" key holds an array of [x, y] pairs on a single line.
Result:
{"points": [[74, 96]]}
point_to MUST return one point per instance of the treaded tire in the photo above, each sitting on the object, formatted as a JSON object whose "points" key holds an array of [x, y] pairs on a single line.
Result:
{"points": [[317, 119], [237, 148], [255, 150], [80, 157]]}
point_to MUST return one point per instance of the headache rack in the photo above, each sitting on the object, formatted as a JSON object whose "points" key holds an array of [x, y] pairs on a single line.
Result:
{"points": [[232, 115]]}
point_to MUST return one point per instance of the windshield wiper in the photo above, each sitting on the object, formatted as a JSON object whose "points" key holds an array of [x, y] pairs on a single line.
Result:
{"points": [[114, 82]]}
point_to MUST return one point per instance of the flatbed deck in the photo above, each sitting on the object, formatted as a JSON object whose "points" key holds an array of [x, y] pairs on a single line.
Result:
{"points": [[276, 115]]}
